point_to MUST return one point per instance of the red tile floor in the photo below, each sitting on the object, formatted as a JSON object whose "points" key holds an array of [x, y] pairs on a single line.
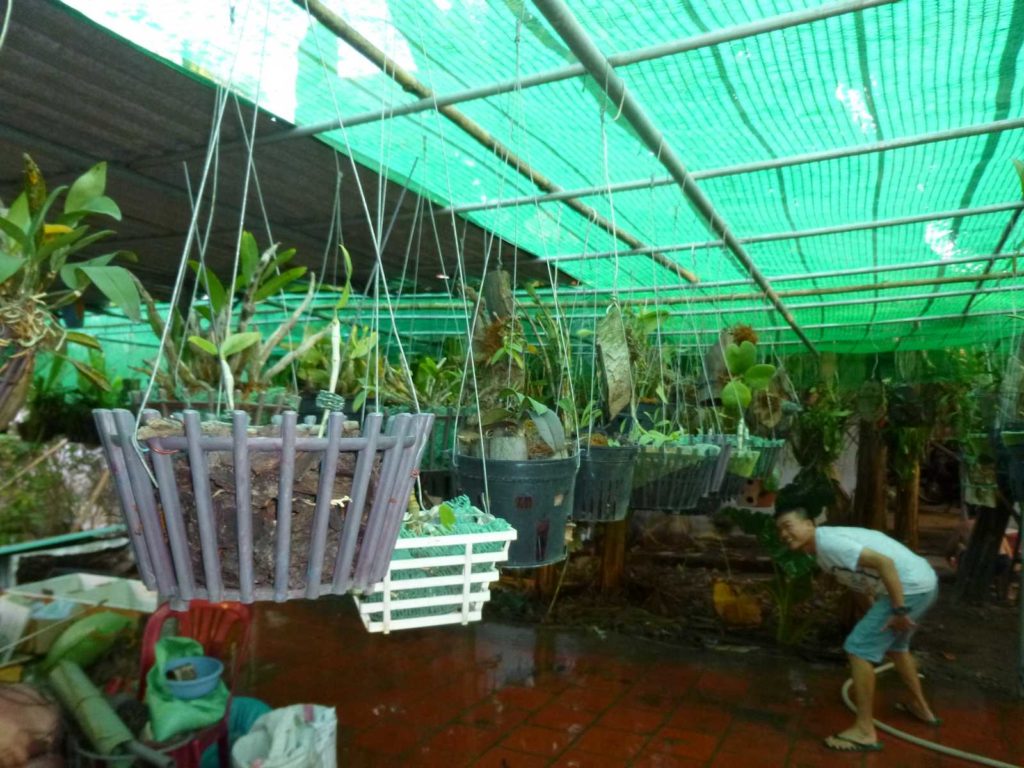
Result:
{"points": [[506, 696]]}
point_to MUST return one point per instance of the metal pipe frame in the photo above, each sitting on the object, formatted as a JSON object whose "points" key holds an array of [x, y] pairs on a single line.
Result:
{"points": [[812, 305], [672, 48], [422, 311], [743, 168], [848, 324], [1007, 231], [814, 326], [574, 292], [565, 25], [347, 33], [800, 233]]}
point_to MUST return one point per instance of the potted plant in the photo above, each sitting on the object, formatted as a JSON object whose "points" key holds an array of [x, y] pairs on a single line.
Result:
{"points": [[361, 369], [247, 512], [217, 356], [514, 459], [444, 561], [427, 385], [42, 271], [604, 482], [674, 470]]}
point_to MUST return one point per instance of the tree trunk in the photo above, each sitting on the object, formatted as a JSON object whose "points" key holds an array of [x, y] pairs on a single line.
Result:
{"points": [[869, 495], [907, 506]]}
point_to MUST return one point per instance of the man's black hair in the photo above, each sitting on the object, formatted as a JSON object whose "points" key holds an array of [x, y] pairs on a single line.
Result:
{"points": [[799, 511], [790, 499], [807, 494]]}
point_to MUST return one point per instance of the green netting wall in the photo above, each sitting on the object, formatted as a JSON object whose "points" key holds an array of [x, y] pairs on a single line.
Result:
{"points": [[894, 71]]}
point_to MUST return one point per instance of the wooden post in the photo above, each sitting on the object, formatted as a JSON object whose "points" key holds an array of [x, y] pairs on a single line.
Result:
{"points": [[869, 496], [547, 579], [907, 506], [613, 555]]}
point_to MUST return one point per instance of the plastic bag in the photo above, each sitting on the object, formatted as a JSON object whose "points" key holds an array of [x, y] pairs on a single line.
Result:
{"points": [[169, 715], [87, 639], [242, 716], [299, 736]]}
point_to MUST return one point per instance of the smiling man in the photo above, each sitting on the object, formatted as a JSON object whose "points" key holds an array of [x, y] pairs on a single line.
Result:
{"points": [[902, 586]]}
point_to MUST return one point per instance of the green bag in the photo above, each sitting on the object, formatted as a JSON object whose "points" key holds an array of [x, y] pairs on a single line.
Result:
{"points": [[87, 639], [169, 715]]}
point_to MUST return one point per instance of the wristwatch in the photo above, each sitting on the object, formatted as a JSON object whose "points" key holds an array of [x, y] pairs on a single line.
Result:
{"points": [[900, 610]]}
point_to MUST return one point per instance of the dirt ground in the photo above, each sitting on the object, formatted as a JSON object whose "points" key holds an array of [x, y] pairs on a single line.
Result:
{"points": [[673, 563]]}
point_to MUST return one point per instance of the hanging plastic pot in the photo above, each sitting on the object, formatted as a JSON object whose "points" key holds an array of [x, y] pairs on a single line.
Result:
{"points": [[261, 407], [673, 478], [604, 484], [535, 497]]}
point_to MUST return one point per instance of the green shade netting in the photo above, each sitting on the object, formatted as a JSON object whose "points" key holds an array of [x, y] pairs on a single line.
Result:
{"points": [[890, 72]]}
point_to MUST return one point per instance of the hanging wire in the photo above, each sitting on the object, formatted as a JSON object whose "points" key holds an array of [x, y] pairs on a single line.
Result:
{"points": [[6, 24]]}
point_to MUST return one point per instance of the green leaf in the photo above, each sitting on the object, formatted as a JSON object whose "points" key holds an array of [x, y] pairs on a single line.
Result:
{"points": [[203, 345], [87, 187], [277, 283], [739, 357], [82, 339], [495, 416], [9, 265], [1019, 165], [447, 515], [549, 427], [214, 287], [51, 244], [102, 205], [39, 220], [537, 406], [759, 376], [85, 242], [346, 290], [238, 342], [18, 214], [736, 395], [249, 256], [15, 232], [90, 373], [72, 278], [358, 400], [117, 284]]}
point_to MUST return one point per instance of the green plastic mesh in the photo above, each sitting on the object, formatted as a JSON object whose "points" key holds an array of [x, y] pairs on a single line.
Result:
{"points": [[898, 70]]}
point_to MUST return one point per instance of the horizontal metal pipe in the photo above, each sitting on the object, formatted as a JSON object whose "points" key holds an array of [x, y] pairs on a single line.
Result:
{"points": [[736, 170], [255, 444], [724, 298], [828, 304], [797, 234]]}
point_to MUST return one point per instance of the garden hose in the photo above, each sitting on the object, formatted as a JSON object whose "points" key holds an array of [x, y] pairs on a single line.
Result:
{"points": [[932, 745]]}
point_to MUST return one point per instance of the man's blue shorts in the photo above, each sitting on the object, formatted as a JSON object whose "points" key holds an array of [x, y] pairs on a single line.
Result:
{"points": [[871, 639]]}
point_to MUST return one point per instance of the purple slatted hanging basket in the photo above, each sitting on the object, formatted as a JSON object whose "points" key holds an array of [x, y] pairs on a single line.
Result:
{"points": [[272, 515]]}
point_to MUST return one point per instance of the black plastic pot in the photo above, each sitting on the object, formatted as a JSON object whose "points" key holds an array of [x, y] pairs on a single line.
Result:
{"points": [[672, 479], [604, 484], [535, 497]]}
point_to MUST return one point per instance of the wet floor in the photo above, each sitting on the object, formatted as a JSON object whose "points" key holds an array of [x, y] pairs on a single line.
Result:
{"points": [[517, 697]]}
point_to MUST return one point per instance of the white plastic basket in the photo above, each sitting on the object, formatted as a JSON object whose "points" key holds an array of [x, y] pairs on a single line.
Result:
{"points": [[440, 596]]}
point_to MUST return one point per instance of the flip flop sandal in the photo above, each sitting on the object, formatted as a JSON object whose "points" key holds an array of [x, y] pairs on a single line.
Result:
{"points": [[901, 707], [855, 746]]}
